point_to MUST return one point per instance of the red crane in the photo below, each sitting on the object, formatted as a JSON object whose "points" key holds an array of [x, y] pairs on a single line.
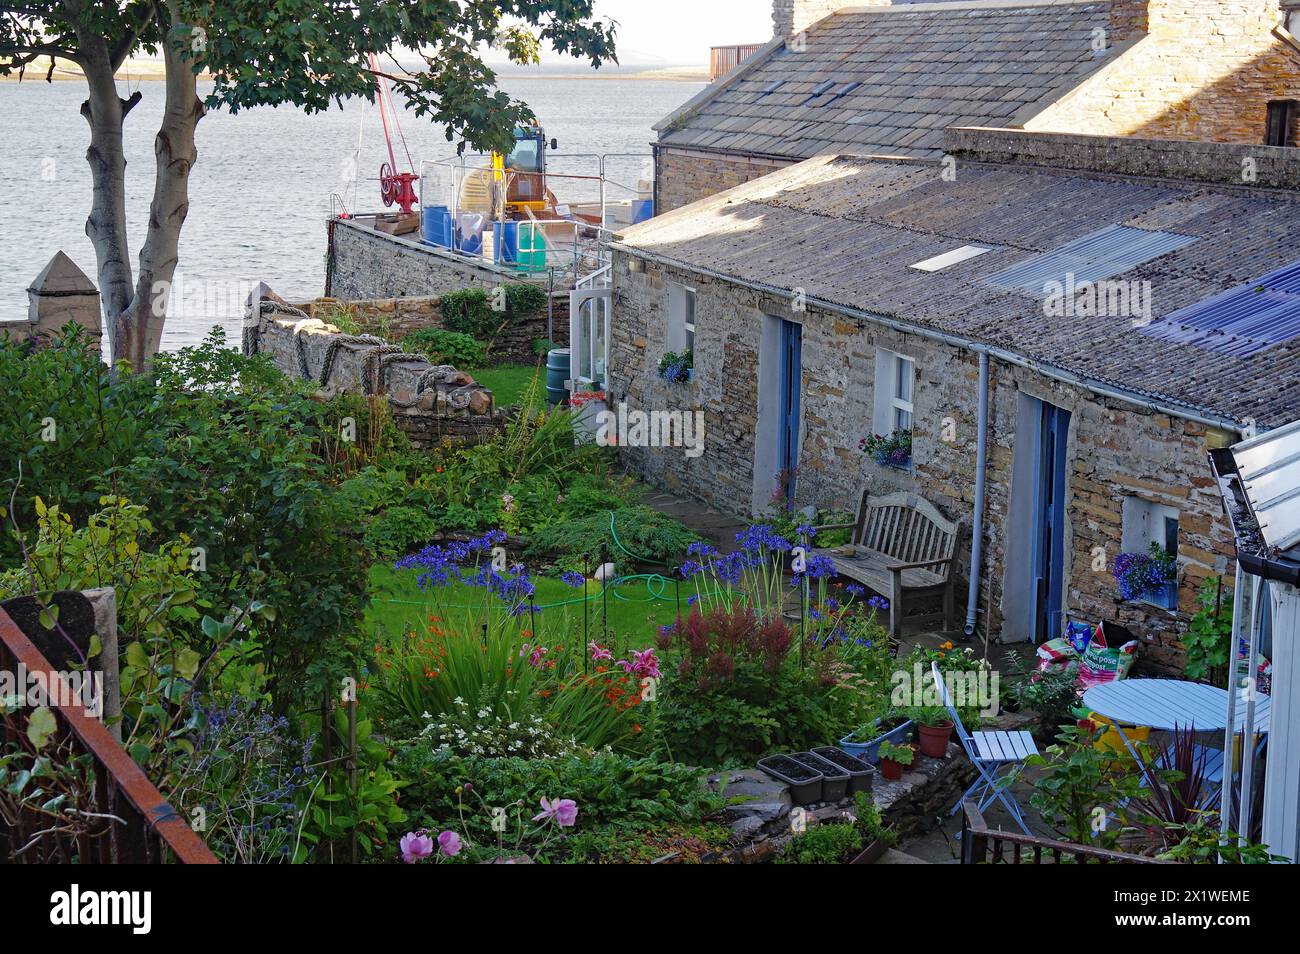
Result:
{"points": [[394, 187]]}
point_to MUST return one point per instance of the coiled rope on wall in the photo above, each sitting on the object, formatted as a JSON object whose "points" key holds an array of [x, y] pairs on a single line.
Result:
{"points": [[376, 357]]}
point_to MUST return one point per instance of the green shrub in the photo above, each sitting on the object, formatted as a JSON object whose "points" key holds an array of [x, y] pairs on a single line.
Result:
{"points": [[397, 531], [446, 347], [823, 845], [69, 420], [619, 844], [611, 790], [470, 311], [234, 464], [748, 715], [221, 449], [1209, 635], [648, 534]]}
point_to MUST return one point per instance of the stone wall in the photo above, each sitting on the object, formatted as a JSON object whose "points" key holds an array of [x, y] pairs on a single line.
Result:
{"points": [[1206, 70], [1270, 167], [428, 403], [368, 264], [683, 176], [1117, 450], [394, 318]]}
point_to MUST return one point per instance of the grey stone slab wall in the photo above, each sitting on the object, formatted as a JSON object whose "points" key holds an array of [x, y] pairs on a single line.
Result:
{"points": [[369, 264], [428, 404]]}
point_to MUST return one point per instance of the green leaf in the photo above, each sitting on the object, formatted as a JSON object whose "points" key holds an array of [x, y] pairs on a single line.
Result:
{"points": [[40, 726], [187, 663]]}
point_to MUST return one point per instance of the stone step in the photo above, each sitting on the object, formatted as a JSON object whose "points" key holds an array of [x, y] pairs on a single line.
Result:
{"points": [[895, 857]]}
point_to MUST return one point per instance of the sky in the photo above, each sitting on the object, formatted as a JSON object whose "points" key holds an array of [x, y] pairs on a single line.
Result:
{"points": [[680, 32]]}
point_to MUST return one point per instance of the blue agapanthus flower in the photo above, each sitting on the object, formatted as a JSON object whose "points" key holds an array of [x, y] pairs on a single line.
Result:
{"points": [[760, 536], [573, 578], [820, 567]]}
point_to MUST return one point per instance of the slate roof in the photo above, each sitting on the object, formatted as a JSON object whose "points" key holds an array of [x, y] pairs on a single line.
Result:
{"points": [[920, 69], [846, 229]]}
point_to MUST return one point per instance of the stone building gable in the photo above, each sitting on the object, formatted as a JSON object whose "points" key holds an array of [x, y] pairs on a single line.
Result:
{"points": [[1205, 70]]}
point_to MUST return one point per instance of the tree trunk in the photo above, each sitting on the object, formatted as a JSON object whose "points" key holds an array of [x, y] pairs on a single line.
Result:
{"points": [[135, 310], [106, 225], [175, 155]]}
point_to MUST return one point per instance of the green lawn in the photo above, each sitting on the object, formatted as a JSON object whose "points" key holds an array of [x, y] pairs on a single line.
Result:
{"points": [[510, 383], [635, 610]]}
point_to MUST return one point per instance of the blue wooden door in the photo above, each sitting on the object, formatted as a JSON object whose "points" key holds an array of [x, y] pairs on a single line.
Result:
{"points": [[1050, 507], [791, 385]]}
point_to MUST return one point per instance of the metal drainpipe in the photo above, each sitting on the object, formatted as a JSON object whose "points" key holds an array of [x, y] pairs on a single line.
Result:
{"points": [[977, 528]]}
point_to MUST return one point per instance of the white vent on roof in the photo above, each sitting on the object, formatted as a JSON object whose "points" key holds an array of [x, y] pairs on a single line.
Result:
{"points": [[956, 256]]}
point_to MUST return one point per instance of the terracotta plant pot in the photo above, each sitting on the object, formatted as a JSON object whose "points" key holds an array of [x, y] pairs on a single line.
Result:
{"points": [[891, 770], [934, 739]]}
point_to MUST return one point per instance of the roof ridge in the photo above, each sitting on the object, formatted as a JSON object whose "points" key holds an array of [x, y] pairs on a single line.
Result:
{"points": [[965, 5]]}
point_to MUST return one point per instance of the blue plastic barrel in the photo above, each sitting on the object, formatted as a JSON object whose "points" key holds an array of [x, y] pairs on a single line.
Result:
{"points": [[505, 237], [557, 376], [435, 225]]}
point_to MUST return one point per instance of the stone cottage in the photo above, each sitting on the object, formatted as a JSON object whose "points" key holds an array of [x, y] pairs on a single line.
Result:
{"points": [[871, 77], [1128, 324]]}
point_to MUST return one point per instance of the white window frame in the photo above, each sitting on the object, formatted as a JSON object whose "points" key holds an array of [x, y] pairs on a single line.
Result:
{"points": [[1142, 524], [690, 305], [683, 308], [888, 402]]}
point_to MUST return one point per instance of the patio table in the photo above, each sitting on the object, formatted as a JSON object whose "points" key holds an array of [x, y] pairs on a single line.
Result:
{"points": [[1166, 704]]}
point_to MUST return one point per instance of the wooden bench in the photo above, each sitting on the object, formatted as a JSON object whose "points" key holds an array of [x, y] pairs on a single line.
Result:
{"points": [[904, 549]]}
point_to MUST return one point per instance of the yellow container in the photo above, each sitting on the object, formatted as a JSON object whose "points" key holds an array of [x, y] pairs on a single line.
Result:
{"points": [[1112, 743]]}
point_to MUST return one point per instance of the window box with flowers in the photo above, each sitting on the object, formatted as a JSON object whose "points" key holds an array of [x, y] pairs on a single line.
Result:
{"points": [[891, 450], [1149, 577], [677, 367]]}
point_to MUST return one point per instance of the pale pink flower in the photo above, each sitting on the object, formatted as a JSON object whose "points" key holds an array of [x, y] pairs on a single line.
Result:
{"points": [[563, 810], [416, 846], [449, 844]]}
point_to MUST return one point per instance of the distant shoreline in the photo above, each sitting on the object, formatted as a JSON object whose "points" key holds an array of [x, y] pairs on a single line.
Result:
{"points": [[140, 70]]}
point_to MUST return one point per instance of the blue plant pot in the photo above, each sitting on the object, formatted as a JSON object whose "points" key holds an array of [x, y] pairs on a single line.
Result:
{"points": [[869, 752]]}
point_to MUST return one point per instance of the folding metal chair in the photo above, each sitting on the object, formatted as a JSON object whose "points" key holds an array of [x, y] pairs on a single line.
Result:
{"points": [[995, 755]]}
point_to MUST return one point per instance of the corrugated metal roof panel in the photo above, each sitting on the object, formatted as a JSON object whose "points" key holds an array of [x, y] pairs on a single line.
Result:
{"points": [[1092, 258], [1242, 321]]}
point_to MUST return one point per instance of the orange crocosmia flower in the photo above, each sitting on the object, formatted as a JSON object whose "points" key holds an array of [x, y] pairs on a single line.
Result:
{"points": [[947, 645], [636, 726], [526, 633]]}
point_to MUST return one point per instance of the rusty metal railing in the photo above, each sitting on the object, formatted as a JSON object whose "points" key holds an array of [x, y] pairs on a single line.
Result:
{"points": [[981, 845], [134, 823]]}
